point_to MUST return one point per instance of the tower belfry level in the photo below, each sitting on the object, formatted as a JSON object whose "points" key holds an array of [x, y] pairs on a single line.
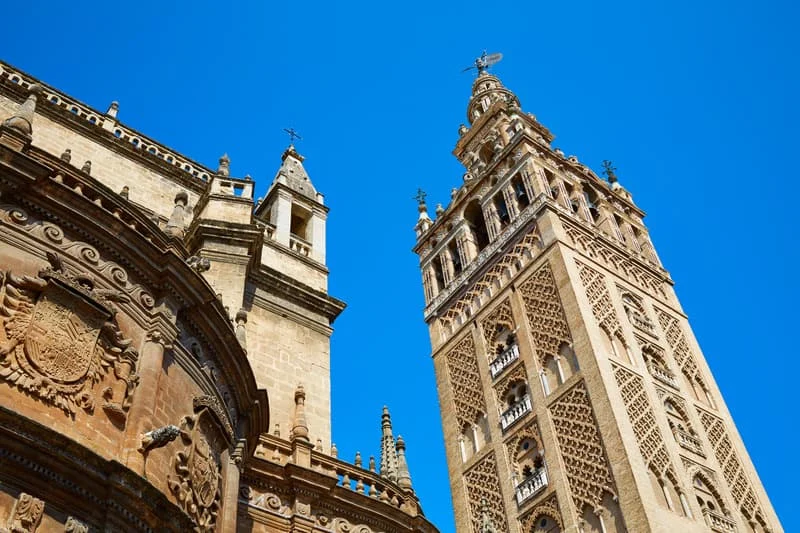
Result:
{"points": [[574, 395]]}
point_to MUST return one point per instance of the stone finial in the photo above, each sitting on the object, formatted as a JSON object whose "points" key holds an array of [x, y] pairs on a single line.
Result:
{"points": [[277, 430], [334, 450], [176, 224], [125, 192], [248, 177], [224, 168], [439, 210], [462, 130], [403, 475], [300, 428], [372, 463], [22, 120], [318, 446], [113, 109], [241, 332], [388, 448], [358, 461], [87, 167], [66, 155]]}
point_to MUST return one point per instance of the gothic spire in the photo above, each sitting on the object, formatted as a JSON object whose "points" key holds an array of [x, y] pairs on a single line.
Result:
{"points": [[294, 175], [388, 447], [403, 475]]}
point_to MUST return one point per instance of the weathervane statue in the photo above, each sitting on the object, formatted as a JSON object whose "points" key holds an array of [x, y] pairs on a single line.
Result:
{"points": [[484, 61]]}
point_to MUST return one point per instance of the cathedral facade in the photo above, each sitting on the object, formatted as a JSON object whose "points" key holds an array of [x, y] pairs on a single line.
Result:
{"points": [[573, 394], [165, 340]]}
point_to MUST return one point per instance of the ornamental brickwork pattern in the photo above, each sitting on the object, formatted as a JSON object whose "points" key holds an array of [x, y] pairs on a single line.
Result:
{"points": [[483, 483], [731, 466], [648, 436], [677, 343], [600, 299], [500, 317], [465, 382], [548, 324], [582, 450]]}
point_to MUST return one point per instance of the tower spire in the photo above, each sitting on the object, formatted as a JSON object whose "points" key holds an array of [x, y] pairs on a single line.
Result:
{"points": [[403, 475], [388, 447]]}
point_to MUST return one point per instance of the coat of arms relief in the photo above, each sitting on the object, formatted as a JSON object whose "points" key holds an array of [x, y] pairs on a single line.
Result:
{"points": [[197, 483], [59, 339]]}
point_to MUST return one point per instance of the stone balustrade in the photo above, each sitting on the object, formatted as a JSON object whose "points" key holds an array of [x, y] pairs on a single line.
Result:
{"points": [[688, 441], [641, 322], [663, 375], [719, 522], [531, 485], [269, 231], [504, 360], [348, 476], [301, 246], [107, 122], [515, 412]]}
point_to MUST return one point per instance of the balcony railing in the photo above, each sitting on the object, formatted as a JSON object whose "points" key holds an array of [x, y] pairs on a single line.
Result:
{"points": [[515, 412], [504, 360], [663, 375], [688, 441], [301, 246], [531, 485], [719, 522], [641, 322]]}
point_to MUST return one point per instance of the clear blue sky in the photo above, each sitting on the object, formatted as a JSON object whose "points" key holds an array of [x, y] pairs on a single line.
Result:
{"points": [[696, 103]]}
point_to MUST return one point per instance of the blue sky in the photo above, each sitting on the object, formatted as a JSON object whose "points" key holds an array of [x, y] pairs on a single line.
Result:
{"points": [[695, 102]]}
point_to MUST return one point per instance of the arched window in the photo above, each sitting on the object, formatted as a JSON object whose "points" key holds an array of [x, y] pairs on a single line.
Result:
{"points": [[473, 214], [551, 375], [520, 193], [438, 273], [503, 215], [455, 257], [529, 458], [710, 501], [592, 199], [546, 524]]}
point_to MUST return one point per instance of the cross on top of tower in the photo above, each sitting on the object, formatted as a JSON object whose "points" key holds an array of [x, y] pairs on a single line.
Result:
{"points": [[420, 197], [609, 170], [292, 134]]}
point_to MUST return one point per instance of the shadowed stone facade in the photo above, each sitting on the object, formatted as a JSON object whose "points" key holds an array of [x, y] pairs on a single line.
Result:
{"points": [[147, 305], [573, 395]]}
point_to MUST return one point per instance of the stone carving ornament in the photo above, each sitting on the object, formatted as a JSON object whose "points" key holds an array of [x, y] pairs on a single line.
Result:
{"points": [[26, 515], [59, 339], [197, 483]]}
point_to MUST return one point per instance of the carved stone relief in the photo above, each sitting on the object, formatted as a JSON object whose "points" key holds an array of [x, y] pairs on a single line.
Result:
{"points": [[196, 484], [584, 455], [13, 219], [59, 339], [26, 515], [74, 525]]}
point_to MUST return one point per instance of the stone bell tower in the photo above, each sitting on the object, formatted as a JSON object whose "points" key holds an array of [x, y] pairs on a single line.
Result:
{"points": [[573, 394]]}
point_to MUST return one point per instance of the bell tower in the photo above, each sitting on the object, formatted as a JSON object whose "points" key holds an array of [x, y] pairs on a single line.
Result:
{"points": [[573, 394]]}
